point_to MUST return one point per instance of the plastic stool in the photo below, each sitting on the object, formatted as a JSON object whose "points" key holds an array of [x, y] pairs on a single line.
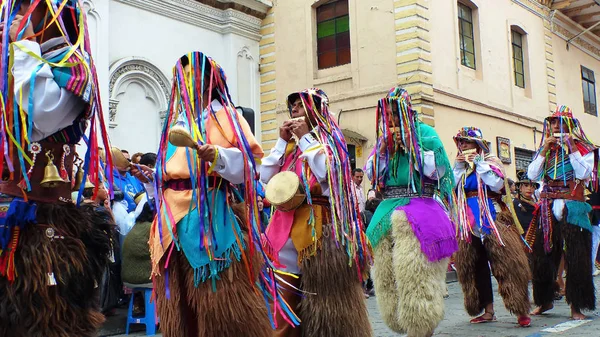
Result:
{"points": [[149, 318]]}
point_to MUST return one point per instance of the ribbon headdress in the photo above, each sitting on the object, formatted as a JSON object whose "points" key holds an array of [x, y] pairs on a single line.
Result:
{"points": [[186, 109], [398, 101], [569, 125], [345, 218], [73, 69]]}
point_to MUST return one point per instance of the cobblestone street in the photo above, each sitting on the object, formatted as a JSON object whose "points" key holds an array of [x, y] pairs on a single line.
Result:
{"points": [[456, 323]]}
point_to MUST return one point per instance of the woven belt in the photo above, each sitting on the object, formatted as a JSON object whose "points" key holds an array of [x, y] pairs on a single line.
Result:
{"points": [[556, 189], [394, 192], [490, 194], [186, 184]]}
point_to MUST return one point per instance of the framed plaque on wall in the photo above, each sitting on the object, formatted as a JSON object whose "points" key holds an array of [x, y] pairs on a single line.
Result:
{"points": [[503, 150]]}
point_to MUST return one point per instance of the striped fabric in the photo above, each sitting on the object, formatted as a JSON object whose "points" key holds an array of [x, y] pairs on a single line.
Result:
{"points": [[76, 79], [558, 166]]}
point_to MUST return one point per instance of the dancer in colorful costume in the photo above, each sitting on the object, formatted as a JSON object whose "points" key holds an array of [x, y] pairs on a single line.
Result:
{"points": [[489, 233], [208, 268], [565, 162], [321, 242], [411, 231], [52, 253]]}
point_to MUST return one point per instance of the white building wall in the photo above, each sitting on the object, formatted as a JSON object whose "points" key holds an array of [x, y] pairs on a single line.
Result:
{"points": [[135, 45]]}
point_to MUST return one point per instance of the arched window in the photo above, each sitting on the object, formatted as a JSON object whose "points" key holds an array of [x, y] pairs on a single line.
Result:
{"points": [[333, 34]]}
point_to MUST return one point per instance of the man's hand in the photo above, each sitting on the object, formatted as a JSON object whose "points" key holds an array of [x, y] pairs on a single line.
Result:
{"points": [[207, 152], [28, 33], [571, 143], [461, 158], [142, 172], [300, 128], [471, 157], [285, 131], [548, 143]]}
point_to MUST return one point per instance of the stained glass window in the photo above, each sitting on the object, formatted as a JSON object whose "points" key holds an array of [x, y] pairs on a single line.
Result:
{"points": [[333, 34]]}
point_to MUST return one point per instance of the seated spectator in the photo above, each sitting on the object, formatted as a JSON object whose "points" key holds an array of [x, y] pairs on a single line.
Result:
{"points": [[136, 266]]}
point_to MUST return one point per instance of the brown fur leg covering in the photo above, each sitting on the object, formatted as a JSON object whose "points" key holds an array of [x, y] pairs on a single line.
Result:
{"points": [[510, 267], [465, 261], [235, 309], [545, 266], [172, 309], [580, 292], [338, 309], [29, 307]]}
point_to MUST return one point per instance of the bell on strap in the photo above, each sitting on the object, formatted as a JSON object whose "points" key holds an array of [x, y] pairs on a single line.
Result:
{"points": [[51, 176], [78, 177]]}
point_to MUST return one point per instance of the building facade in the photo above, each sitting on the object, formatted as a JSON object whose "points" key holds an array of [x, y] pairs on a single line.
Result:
{"points": [[136, 43], [500, 65]]}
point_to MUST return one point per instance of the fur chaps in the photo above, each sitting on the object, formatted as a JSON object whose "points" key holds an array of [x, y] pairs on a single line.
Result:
{"points": [[579, 288], [509, 266], [334, 303], [29, 307], [236, 309], [410, 289]]}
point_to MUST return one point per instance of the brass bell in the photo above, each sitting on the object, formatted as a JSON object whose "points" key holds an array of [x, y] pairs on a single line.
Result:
{"points": [[51, 176], [78, 178]]}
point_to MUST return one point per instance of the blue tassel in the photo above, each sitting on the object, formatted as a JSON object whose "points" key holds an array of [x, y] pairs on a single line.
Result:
{"points": [[19, 214]]}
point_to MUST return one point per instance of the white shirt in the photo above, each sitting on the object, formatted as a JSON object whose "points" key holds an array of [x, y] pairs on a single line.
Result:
{"points": [[430, 169], [360, 196], [272, 164], [230, 161], [485, 172], [54, 108], [310, 148]]}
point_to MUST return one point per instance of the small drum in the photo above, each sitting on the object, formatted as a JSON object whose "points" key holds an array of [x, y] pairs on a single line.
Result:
{"points": [[285, 192]]}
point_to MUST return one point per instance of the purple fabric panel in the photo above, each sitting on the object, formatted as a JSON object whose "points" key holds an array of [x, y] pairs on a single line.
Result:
{"points": [[432, 227]]}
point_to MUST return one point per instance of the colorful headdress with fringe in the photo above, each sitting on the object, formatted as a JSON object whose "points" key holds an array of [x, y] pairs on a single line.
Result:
{"points": [[398, 101], [569, 125], [187, 109], [473, 134], [75, 63], [345, 217]]}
